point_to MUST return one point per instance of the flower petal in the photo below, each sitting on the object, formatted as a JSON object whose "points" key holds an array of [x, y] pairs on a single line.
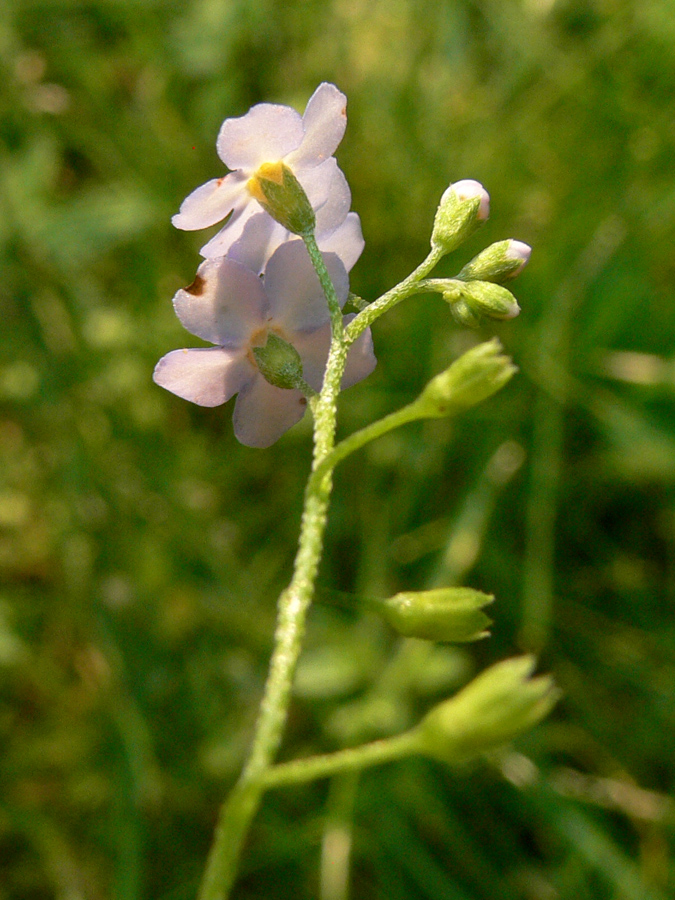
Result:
{"points": [[346, 241], [220, 243], [313, 349], [207, 376], [263, 412], [360, 358], [225, 303], [211, 202], [296, 298], [333, 212], [259, 239], [266, 133], [317, 181], [324, 121]]}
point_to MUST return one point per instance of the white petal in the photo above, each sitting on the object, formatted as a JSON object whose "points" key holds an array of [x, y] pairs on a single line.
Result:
{"points": [[313, 349], [211, 202], [360, 358], [266, 133], [334, 210], [317, 181], [296, 299], [207, 376], [346, 241], [324, 121], [221, 242], [225, 303], [263, 412], [259, 239]]}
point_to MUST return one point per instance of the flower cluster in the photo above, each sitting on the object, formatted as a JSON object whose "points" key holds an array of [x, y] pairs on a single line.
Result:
{"points": [[257, 280]]}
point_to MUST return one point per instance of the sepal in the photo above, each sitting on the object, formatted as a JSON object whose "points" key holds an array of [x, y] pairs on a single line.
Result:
{"points": [[279, 363], [475, 376], [499, 262], [279, 192], [451, 614], [494, 708]]}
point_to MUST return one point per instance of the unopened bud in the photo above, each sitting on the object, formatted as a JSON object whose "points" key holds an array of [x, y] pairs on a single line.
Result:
{"points": [[279, 363], [499, 262], [488, 299], [463, 207], [494, 708], [279, 192], [445, 614], [475, 376]]}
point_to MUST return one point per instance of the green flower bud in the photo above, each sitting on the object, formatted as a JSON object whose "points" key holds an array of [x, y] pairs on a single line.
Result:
{"points": [[463, 314], [463, 207], [499, 262], [494, 708], [279, 192], [279, 363], [474, 377], [444, 614], [490, 300]]}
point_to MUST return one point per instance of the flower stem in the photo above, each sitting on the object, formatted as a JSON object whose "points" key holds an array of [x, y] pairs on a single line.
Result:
{"points": [[334, 308], [360, 438], [383, 304], [353, 759], [240, 807]]}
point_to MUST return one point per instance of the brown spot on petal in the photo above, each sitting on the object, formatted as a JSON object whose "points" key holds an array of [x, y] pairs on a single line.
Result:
{"points": [[197, 286], [221, 180], [303, 401], [344, 112]]}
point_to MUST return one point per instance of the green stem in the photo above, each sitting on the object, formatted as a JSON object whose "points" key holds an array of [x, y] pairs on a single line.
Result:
{"points": [[241, 806], [334, 308], [353, 759], [360, 438], [383, 304]]}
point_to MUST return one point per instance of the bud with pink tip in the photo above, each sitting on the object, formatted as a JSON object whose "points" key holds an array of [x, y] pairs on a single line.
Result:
{"points": [[463, 207], [499, 262]]}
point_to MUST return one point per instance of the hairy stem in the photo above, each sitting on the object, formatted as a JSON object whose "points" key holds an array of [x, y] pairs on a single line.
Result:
{"points": [[353, 759], [383, 304], [241, 806]]}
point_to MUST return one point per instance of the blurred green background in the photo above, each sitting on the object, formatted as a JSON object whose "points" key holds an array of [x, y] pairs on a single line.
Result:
{"points": [[142, 548]]}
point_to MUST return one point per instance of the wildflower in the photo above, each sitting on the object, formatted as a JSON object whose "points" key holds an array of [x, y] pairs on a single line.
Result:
{"points": [[229, 305], [270, 134]]}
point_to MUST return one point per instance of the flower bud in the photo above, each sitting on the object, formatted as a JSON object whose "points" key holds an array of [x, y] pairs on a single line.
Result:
{"points": [[490, 300], [279, 192], [464, 315], [495, 707], [445, 614], [463, 207], [475, 376], [499, 262], [279, 363]]}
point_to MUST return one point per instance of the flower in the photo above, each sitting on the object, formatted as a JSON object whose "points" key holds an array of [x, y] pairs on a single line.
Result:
{"points": [[270, 133], [261, 236], [229, 305]]}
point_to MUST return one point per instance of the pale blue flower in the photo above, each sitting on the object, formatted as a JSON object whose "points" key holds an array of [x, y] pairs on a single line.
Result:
{"points": [[272, 133], [231, 306]]}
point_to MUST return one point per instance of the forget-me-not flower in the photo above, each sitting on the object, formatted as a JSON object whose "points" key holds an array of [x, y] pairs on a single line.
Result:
{"points": [[271, 133], [231, 306]]}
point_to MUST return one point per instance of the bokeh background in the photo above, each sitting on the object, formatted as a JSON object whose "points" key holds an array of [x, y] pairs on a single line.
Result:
{"points": [[142, 549]]}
